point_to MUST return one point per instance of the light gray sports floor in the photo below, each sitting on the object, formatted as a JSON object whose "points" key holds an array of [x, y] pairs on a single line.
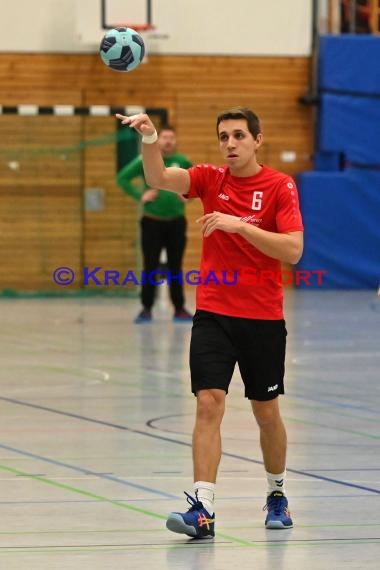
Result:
{"points": [[95, 431]]}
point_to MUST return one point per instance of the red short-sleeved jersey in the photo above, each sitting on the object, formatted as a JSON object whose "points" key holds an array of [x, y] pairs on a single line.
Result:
{"points": [[268, 200]]}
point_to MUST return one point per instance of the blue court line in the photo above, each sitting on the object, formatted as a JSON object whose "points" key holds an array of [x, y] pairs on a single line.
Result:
{"points": [[151, 423], [333, 403], [86, 471], [179, 442], [346, 469]]}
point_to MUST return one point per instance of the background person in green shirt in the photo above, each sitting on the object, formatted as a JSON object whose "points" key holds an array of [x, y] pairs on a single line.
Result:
{"points": [[163, 225]]}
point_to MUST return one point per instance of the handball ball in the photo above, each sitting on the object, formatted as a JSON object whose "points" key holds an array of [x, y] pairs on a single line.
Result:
{"points": [[122, 49]]}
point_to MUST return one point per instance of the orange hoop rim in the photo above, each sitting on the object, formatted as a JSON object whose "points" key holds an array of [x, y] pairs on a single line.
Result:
{"points": [[138, 27]]}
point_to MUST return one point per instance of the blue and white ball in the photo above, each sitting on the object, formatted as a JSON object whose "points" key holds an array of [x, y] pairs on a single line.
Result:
{"points": [[122, 49]]}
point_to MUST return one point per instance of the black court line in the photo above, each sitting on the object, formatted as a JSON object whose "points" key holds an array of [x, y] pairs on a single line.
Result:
{"points": [[184, 443], [375, 538]]}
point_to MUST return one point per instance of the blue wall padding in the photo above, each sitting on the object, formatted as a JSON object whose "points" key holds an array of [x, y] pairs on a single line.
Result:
{"points": [[330, 161], [350, 125], [350, 63], [341, 214]]}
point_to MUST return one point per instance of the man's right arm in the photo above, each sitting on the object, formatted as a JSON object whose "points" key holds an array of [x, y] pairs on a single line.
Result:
{"points": [[156, 174], [128, 173]]}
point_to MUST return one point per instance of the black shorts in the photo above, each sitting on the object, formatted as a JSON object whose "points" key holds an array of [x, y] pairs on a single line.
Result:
{"points": [[219, 342]]}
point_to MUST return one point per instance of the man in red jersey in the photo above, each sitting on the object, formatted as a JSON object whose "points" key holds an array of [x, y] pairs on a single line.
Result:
{"points": [[251, 223]]}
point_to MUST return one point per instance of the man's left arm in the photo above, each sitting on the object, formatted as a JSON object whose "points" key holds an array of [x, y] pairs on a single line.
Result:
{"points": [[286, 247], [286, 244], [289, 244]]}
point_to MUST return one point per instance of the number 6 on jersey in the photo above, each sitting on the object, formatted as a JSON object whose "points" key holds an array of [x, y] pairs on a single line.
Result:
{"points": [[257, 200]]}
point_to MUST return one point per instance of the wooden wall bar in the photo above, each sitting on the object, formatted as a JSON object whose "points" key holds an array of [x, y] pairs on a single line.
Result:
{"points": [[44, 224]]}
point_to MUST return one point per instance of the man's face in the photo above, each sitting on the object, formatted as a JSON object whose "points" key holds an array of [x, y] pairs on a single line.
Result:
{"points": [[236, 143], [167, 142]]}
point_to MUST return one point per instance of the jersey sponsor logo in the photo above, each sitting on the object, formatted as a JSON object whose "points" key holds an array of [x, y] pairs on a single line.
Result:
{"points": [[252, 220], [223, 196], [272, 388]]}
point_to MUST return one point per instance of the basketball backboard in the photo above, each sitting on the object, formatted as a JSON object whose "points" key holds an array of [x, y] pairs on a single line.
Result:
{"points": [[132, 12], [93, 17]]}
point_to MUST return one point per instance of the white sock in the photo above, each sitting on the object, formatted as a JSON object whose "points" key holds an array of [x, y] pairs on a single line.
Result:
{"points": [[276, 482], [205, 493]]}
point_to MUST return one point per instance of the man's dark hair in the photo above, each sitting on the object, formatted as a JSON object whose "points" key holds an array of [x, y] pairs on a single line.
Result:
{"points": [[253, 121], [166, 127]]}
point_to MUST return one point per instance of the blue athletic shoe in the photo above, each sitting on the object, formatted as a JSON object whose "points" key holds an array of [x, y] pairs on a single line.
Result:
{"points": [[145, 316], [197, 522], [278, 513], [182, 316]]}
